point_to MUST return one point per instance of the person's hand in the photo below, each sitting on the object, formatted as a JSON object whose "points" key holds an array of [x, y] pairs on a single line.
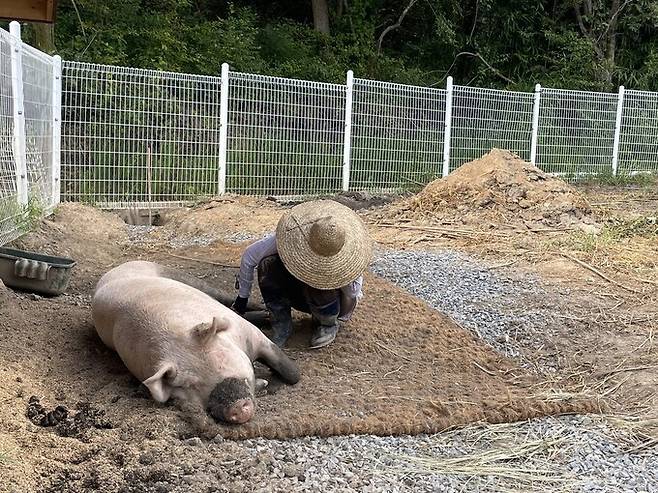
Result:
{"points": [[239, 305]]}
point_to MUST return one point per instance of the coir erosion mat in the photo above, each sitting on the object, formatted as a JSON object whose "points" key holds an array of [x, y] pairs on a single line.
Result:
{"points": [[399, 367]]}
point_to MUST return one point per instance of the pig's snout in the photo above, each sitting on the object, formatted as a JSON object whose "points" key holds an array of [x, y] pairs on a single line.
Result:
{"points": [[232, 400], [240, 412]]}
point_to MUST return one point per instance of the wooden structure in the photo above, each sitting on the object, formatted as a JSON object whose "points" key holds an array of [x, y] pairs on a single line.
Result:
{"points": [[28, 10]]}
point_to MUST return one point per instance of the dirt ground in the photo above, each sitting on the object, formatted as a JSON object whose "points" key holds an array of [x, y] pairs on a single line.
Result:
{"points": [[415, 380], [422, 371]]}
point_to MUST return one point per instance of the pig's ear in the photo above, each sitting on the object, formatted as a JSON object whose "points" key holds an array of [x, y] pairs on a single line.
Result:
{"points": [[159, 384], [205, 332]]}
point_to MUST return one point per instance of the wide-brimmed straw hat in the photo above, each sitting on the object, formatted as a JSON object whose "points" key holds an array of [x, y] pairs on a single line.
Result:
{"points": [[323, 244]]}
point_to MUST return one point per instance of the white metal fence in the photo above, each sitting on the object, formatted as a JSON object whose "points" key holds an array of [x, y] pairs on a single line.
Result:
{"points": [[136, 137], [284, 136], [29, 133], [396, 135], [139, 136], [133, 136]]}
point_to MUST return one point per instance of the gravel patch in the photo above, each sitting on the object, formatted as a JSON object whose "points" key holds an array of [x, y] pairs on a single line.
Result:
{"points": [[576, 454], [240, 237], [509, 314], [178, 241], [581, 453]]}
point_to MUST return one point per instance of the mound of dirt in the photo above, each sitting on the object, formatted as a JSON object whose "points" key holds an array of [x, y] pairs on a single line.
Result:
{"points": [[95, 239], [498, 188], [225, 216]]}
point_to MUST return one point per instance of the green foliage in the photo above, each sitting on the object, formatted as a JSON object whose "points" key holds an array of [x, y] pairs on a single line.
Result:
{"points": [[622, 179], [493, 43], [646, 227], [31, 214]]}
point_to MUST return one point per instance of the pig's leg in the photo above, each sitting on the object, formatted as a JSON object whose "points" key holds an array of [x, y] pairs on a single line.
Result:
{"points": [[271, 355]]}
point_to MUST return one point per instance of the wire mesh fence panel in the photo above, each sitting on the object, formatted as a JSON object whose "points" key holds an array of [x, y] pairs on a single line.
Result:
{"points": [[397, 135], [133, 137], [37, 101], [486, 118], [638, 139], [285, 136], [576, 132], [10, 211]]}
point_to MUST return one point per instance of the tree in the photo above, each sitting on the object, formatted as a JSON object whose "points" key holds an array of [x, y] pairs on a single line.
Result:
{"points": [[44, 37], [598, 21], [321, 16]]}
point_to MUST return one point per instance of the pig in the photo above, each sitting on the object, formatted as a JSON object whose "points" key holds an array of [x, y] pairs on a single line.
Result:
{"points": [[183, 343]]}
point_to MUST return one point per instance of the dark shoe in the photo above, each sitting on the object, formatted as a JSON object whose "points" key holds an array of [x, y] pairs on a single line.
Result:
{"points": [[281, 321], [281, 330], [280, 337], [323, 336]]}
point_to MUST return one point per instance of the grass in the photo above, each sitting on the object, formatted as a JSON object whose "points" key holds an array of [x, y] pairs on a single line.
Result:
{"points": [[499, 452], [17, 219], [32, 213], [618, 234], [621, 179]]}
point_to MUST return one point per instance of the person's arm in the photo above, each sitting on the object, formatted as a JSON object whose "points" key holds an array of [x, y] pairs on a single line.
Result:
{"points": [[349, 298], [251, 257]]}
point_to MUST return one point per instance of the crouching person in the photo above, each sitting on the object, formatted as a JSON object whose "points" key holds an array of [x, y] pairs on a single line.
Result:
{"points": [[314, 262]]}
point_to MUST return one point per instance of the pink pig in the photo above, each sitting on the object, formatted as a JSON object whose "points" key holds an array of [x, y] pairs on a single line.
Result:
{"points": [[181, 342]]}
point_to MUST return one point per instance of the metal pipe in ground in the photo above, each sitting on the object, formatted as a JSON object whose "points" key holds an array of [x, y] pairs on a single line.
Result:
{"points": [[148, 182]]}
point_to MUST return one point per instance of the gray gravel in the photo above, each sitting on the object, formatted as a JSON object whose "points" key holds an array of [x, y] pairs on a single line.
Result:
{"points": [[155, 235], [574, 454], [509, 314]]}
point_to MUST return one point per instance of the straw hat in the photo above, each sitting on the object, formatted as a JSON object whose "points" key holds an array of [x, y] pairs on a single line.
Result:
{"points": [[323, 244]]}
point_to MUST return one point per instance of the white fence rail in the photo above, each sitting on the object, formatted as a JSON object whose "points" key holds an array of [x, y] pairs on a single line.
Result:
{"points": [[29, 133], [118, 136]]}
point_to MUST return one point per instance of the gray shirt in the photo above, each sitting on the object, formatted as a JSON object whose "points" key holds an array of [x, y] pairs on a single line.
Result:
{"points": [[257, 251]]}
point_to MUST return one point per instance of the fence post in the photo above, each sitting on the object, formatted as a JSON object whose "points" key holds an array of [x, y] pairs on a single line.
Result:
{"points": [[223, 129], [347, 142], [57, 130], [447, 128], [19, 111], [535, 125], [615, 145]]}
